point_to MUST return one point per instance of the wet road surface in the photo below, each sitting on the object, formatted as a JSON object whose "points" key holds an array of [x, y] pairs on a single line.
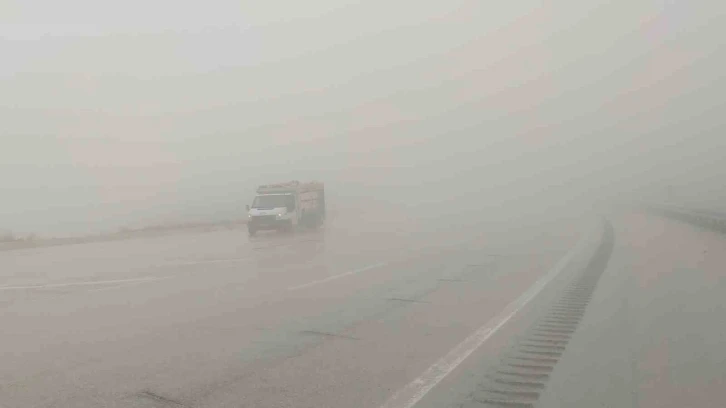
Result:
{"points": [[363, 314], [640, 325]]}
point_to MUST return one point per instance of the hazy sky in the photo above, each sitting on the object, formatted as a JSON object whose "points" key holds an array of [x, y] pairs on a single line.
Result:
{"points": [[130, 113]]}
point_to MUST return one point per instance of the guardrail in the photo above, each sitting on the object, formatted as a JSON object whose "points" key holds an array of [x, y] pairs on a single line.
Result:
{"points": [[705, 219]]}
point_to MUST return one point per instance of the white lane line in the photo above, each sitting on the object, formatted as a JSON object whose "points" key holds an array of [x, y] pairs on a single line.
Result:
{"points": [[412, 393], [87, 283], [124, 285], [334, 277]]}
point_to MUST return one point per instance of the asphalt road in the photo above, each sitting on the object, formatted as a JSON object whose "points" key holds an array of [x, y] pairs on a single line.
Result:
{"points": [[368, 313]]}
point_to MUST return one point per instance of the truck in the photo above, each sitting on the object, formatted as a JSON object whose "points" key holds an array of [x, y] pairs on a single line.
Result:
{"points": [[287, 206]]}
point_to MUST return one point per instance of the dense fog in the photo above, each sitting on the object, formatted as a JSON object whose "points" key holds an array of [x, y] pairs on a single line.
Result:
{"points": [[136, 113]]}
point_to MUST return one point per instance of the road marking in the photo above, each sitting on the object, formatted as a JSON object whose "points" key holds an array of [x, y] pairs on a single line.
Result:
{"points": [[412, 393], [87, 283], [124, 285], [334, 277]]}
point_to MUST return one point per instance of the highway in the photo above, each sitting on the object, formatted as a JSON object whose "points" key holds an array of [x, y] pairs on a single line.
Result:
{"points": [[624, 310]]}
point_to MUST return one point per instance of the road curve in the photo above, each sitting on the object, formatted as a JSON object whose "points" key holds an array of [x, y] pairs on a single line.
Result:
{"points": [[370, 315], [646, 330]]}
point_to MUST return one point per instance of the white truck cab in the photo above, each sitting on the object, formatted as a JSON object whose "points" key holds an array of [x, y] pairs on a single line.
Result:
{"points": [[285, 206]]}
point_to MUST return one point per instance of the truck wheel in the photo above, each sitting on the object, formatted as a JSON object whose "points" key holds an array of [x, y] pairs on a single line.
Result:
{"points": [[251, 232]]}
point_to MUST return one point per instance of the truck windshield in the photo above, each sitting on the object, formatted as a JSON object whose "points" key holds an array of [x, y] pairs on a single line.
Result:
{"points": [[270, 201]]}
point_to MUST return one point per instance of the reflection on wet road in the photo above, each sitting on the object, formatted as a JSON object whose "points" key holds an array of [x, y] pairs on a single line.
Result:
{"points": [[350, 315]]}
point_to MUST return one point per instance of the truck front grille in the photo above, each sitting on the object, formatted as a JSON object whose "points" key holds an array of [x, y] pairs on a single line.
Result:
{"points": [[263, 219]]}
